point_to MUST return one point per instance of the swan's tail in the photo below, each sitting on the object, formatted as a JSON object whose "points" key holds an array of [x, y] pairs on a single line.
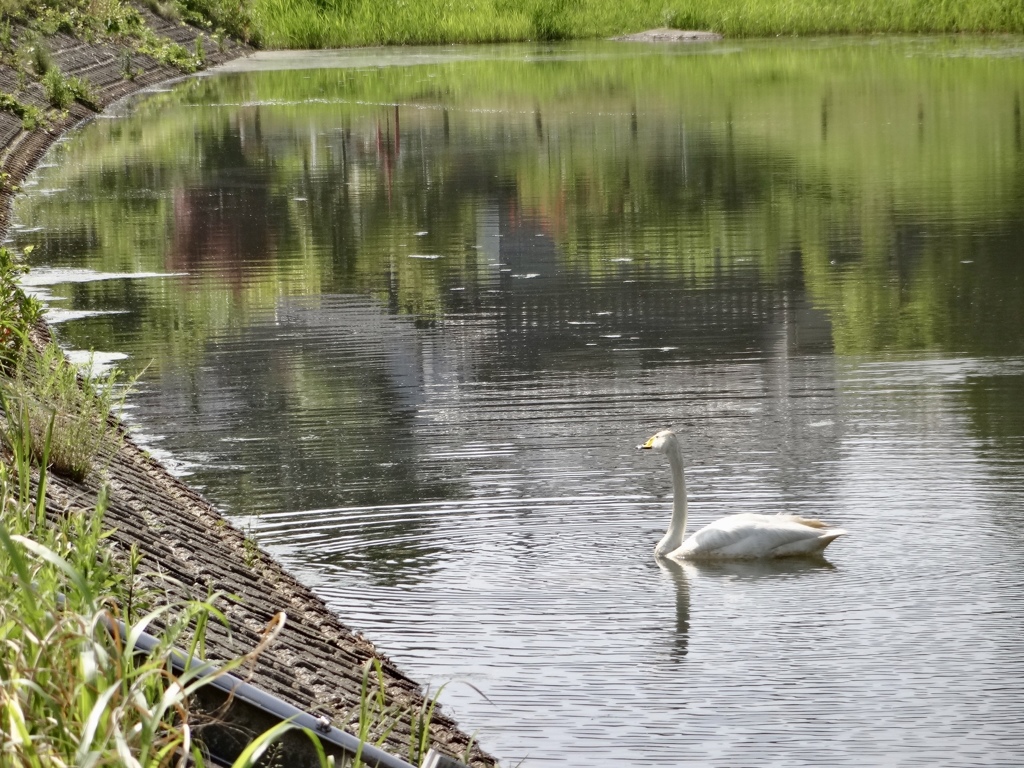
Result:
{"points": [[812, 545], [809, 522], [831, 535]]}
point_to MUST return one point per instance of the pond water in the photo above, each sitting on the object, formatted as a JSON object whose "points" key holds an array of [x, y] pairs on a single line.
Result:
{"points": [[405, 315]]}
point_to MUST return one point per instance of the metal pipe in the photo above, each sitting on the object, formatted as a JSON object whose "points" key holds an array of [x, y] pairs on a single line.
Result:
{"points": [[249, 711], [253, 711]]}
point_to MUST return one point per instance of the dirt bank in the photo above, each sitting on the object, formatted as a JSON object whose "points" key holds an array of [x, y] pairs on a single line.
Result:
{"points": [[316, 663]]}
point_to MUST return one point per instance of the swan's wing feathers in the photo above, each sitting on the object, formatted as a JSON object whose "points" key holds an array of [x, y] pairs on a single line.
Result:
{"points": [[712, 539], [758, 536]]}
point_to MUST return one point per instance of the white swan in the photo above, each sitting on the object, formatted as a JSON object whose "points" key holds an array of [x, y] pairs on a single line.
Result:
{"points": [[742, 536]]}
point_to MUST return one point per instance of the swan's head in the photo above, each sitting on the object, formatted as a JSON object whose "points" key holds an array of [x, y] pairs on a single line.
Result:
{"points": [[660, 442]]}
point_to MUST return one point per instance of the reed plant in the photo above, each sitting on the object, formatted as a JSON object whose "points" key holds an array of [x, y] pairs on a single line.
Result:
{"points": [[378, 716]]}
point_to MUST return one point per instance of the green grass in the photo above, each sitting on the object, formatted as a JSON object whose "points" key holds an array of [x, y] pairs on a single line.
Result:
{"points": [[765, 18], [61, 89], [48, 405], [336, 23]]}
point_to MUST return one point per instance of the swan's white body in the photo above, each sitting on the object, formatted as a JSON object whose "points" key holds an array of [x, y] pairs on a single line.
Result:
{"points": [[744, 536]]}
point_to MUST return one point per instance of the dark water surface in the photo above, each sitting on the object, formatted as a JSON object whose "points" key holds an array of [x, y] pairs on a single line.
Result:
{"points": [[407, 313]]}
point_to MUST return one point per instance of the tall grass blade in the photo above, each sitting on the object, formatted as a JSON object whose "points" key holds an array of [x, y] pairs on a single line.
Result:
{"points": [[74, 576], [92, 722]]}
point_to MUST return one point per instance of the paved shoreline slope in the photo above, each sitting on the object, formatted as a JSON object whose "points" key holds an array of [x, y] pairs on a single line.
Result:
{"points": [[316, 663]]}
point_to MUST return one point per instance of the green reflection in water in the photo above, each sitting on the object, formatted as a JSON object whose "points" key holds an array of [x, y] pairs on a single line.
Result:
{"points": [[997, 416], [888, 175], [881, 183]]}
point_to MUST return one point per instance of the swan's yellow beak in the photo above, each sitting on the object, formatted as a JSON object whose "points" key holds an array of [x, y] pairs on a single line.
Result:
{"points": [[646, 446]]}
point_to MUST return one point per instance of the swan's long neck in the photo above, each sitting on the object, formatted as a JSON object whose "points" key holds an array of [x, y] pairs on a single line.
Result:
{"points": [[673, 538]]}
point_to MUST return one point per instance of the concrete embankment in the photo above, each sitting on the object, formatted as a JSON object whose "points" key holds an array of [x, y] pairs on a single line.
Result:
{"points": [[316, 663]]}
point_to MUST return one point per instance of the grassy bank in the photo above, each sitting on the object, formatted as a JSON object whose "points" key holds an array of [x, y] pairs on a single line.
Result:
{"points": [[72, 689], [338, 23], [341, 23], [765, 18]]}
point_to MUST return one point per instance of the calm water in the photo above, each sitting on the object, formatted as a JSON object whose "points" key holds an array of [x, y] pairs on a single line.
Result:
{"points": [[407, 313]]}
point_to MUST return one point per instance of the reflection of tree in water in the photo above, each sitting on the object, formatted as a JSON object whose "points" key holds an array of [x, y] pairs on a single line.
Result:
{"points": [[232, 218], [995, 404], [645, 180], [937, 285], [681, 223], [317, 411]]}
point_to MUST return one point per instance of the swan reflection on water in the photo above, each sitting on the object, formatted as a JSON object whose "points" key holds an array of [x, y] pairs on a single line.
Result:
{"points": [[749, 570], [677, 573], [683, 574]]}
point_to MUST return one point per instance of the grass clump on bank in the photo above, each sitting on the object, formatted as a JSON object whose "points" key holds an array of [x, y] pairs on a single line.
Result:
{"points": [[57, 414], [61, 90], [57, 418]]}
